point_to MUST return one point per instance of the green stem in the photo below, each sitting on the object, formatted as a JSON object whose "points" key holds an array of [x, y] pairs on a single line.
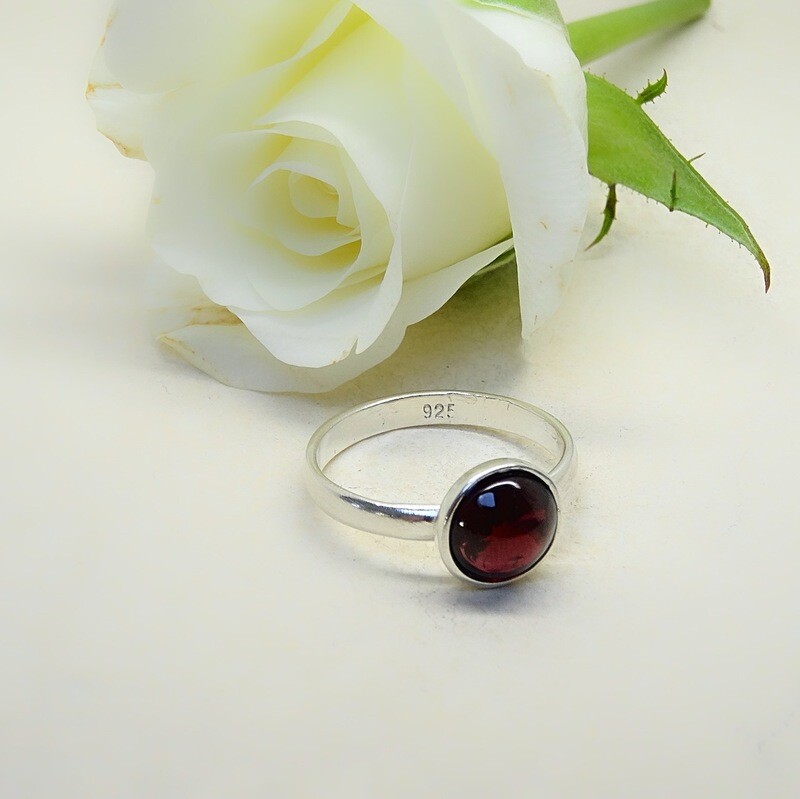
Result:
{"points": [[598, 36]]}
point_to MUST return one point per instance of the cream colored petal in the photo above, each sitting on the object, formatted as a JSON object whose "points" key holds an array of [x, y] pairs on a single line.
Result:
{"points": [[314, 197], [240, 267], [356, 94], [197, 229], [272, 199], [315, 236], [520, 88], [352, 320], [346, 322], [213, 340], [533, 101], [417, 26], [121, 115], [454, 203], [348, 213], [157, 46], [154, 48], [427, 294], [442, 191]]}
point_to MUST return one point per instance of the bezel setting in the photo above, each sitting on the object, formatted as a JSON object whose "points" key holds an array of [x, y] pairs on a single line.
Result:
{"points": [[462, 489]]}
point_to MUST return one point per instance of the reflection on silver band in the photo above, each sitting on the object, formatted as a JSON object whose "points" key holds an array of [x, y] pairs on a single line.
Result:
{"points": [[485, 412]]}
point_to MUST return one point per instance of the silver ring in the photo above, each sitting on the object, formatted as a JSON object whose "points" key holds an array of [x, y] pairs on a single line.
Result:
{"points": [[496, 522]]}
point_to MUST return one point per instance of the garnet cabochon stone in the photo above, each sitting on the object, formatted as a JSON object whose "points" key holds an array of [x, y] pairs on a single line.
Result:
{"points": [[503, 526]]}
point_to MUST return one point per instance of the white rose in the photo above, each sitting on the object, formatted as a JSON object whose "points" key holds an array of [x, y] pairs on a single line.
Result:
{"points": [[329, 173]]}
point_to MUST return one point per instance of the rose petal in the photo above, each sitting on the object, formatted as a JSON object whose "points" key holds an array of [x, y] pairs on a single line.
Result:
{"points": [[213, 340], [356, 94], [194, 48], [186, 41], [313, 236], [520, 88], [454, 204], [442, 191], [121, 115], [427, 294], [191, 234], [238, 265], [315, 198], [533, 96]]}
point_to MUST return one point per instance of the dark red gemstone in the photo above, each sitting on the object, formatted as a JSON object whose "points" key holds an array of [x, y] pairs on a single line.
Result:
{"points": [[503, 526]]}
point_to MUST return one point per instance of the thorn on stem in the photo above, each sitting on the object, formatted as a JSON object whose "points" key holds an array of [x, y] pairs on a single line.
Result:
{"points": [[673, 192], [654, 90], [609, 216]]}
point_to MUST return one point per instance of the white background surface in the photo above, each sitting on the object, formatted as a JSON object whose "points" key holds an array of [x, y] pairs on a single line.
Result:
{"points": [[176, 620]]}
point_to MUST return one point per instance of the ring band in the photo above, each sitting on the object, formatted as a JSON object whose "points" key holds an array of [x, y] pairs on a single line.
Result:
{"points": [[496, 522]]}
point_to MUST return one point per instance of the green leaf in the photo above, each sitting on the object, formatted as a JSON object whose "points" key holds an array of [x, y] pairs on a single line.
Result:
{"points": [[597, 36], [626, 147], [547, 9]]}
